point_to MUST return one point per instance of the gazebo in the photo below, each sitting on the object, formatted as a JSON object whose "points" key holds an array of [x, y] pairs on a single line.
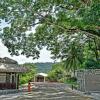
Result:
{"points": [[40, 77], [9, 73]]}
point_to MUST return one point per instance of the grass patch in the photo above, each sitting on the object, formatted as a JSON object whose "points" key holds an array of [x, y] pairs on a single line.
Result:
{"points": [[72, 82]]}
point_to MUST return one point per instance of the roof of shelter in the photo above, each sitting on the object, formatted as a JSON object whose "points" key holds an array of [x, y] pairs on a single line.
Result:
{"points": [[9, 65], [7, 60], [42, 74]]}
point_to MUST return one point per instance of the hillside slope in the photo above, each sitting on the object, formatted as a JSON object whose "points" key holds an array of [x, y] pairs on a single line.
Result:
{"points": [[44, 67]]}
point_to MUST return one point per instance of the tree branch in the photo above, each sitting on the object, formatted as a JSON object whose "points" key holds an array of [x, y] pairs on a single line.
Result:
{"points": [[90, 31]]}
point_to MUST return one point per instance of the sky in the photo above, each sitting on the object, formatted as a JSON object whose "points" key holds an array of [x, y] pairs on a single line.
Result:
{"points": [[45, 55]]}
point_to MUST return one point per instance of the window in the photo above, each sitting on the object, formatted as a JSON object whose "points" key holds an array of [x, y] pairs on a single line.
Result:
{"points": [[2, 78], [8, 77]]}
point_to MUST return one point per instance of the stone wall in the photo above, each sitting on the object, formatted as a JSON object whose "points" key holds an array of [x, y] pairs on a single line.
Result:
{"points": [[89, 80], [92, 80]]}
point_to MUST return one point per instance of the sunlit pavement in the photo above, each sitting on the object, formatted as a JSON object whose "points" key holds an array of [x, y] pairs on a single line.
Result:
{"points": [[45, 94]]}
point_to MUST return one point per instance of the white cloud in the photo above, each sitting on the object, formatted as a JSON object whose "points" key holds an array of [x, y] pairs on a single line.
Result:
{"points": [[44, 55]]}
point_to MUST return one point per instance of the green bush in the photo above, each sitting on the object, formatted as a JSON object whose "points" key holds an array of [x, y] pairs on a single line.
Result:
{"points": [[56, 74], [91, 64], [26, 77], [71, 81]]}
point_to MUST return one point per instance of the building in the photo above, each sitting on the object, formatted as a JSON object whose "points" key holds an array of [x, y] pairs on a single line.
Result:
{"points": [[40, 77], [88, 80], [9, 73]]}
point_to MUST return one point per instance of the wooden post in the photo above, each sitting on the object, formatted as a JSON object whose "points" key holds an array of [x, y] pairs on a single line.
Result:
{"points": [[17, 81], [44, 78]]}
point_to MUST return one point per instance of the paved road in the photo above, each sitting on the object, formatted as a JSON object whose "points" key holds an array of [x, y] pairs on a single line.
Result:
{"points": [[45, 94]]}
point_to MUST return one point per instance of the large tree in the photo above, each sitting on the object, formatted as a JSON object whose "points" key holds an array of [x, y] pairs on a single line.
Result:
{"points": [[58, 21]]}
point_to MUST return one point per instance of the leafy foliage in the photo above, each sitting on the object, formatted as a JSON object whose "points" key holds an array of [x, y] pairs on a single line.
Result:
{"points": [[55, 16], [91, 64], [57, 73], [26, 77]]}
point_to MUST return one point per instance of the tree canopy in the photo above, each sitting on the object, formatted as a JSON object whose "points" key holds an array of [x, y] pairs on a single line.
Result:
{"points": [[68, 28]]}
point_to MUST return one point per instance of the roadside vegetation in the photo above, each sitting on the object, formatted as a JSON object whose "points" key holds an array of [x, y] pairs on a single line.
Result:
{"points": [[60, 74], [28, 76]]}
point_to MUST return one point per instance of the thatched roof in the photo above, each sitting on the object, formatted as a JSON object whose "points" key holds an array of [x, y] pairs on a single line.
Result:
{"points": [[9, 65], [42, 74], [7, 60]]}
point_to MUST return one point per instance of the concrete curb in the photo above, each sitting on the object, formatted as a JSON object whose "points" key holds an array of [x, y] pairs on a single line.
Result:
{"points": [[94, 96]]}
